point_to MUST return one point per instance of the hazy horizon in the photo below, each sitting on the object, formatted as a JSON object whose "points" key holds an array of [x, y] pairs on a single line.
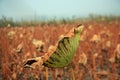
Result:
{"points": [[23, 9]]}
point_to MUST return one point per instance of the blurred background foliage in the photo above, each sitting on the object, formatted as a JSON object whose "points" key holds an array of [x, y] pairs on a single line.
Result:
{"points": [[8, 21]]}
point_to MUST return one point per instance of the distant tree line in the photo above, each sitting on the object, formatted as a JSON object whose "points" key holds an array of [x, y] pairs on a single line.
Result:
{"points": [[9, 22]]}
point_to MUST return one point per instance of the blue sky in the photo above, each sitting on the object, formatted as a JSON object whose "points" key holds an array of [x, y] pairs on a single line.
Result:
{"points": [[18, 9]]}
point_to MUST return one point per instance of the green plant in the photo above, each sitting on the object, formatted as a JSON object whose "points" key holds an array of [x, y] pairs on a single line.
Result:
{"points": [[61, 54]]}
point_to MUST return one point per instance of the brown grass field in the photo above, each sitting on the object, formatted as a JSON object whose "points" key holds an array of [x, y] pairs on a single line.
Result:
{"points": [[97, 57]]}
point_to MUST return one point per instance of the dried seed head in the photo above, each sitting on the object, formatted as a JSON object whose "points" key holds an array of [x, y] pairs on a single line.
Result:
{"points": [[19, 48], [11, 34], [95, 38], [39, 45], [83, 59]]}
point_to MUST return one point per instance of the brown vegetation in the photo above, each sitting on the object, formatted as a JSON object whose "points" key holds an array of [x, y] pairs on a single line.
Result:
{"points": [[99, 48]]}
